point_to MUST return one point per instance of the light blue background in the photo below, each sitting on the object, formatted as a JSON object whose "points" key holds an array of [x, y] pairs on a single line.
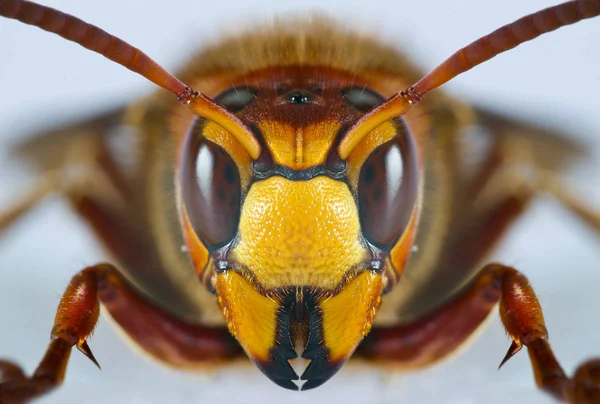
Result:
{"points": [[45, 80]]}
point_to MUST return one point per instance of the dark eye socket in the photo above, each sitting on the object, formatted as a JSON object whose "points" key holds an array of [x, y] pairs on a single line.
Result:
{"points": [[387, 189], [236, 98], [211, 191], [362, 98]]}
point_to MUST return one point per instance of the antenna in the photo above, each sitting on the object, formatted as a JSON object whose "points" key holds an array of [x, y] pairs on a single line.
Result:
{"points": [[482, 50], [95, 39]]}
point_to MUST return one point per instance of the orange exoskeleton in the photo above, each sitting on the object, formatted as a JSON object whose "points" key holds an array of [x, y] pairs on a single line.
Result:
{"points": [[279, 197]]}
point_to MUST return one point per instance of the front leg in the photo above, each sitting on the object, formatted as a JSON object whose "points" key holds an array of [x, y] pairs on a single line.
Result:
{"points": [[75, 319], [163, 336], [522, 316], [441, 332]]}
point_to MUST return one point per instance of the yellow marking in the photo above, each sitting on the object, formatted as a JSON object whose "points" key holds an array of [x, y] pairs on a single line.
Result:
{"points": [[382, 134], [207, 108], [196, 249], [251, 317], [299, 147], [299, 233], [347, 317], [392, 108], [403, 247], [233, 147]]}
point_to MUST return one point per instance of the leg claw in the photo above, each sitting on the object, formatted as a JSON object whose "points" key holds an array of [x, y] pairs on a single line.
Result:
{"points": [[512, 350], [84, 348]]}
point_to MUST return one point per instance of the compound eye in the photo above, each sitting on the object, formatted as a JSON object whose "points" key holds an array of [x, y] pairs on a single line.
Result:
{"points": [[362, 98], [236, 98], [387, 191], [211, 191]]}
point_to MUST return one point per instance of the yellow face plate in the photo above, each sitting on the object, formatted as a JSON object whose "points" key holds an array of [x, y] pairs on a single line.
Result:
{"points": [[299, 233]]}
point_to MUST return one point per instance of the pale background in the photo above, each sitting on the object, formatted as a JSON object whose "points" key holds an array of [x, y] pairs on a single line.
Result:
{"points": [[45, 80]]}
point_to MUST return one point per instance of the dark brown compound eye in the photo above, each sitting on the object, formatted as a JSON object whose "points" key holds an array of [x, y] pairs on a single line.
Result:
{"points": [[387, 190], [362, 99], [236, 98], [211, 190]]}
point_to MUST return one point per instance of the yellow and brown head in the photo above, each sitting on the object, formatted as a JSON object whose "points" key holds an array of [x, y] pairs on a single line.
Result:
{"points": [[299, 210], [298, 243]]}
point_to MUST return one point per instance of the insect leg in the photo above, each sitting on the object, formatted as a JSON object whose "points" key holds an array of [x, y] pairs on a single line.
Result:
{"points": [[434, 336], [56, 152], [523, 319], [523, 142], [75, 319], [52, 148], [573, 203], [45, 186], [165, 337]]}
